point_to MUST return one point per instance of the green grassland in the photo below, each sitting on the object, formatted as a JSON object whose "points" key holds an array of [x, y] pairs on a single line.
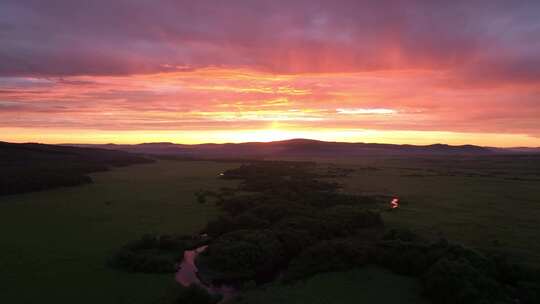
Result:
{"points": [[54, 244], [366, 285], [493, 204]]}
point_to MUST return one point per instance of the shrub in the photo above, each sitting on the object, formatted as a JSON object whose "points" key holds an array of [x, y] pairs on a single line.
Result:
{"points": [[294, 241], [153, 253], [457, 281], [226, 224], [195, 294], [242, 255], [326, 256]]}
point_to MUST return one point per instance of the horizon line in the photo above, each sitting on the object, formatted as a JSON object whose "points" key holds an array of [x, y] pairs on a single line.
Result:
{"points": [[269, 141]]}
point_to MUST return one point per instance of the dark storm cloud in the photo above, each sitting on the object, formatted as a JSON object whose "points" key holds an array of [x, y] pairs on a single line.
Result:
{"points": [[474, 38]]}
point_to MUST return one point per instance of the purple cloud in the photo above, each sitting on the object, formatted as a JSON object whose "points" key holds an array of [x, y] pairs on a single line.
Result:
{"points": [[474, 38]]}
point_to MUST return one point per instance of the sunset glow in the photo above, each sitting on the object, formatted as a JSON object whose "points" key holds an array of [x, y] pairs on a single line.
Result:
{"points": [[233, 72]]}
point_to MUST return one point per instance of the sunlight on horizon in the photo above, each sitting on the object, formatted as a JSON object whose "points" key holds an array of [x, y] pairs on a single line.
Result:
{"points": [[238, 105], [275, 133]]}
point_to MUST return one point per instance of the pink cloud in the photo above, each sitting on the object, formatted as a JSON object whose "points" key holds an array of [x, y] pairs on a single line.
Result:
{"points": [[231, 99]]}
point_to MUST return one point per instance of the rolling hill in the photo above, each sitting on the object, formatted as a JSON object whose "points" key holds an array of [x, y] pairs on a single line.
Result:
{"points": [[295, 148]]}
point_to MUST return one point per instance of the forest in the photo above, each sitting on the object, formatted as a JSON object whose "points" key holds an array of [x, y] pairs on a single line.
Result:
{"points": [[34, 167]]}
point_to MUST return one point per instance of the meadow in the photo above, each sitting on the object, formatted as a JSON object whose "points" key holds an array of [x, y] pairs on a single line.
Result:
{"points": [[492, 203], [364, 285], [55, 244]]}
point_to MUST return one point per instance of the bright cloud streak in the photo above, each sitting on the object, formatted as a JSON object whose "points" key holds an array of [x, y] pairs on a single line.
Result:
{"points": [[366, 111]]}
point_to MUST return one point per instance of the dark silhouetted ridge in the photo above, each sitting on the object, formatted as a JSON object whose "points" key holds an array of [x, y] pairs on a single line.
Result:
{"points": [[298, 147]]}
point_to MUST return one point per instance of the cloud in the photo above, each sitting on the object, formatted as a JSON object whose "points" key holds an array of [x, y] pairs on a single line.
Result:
{"points": [[480, 39], [378, 111], [464, 66], [229, 99]]}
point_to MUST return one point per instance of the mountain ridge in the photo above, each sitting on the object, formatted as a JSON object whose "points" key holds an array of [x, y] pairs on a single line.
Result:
{"points": [[305, 147]]}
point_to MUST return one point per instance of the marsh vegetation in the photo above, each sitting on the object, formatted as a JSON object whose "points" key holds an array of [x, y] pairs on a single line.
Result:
{"points": [[288, 221], [297, 227]]}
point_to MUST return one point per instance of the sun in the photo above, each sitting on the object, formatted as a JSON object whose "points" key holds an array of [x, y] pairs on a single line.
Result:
{"points": [[264, 135]]}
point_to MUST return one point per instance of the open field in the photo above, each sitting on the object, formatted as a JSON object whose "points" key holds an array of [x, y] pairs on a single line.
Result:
{"points": [[54, 244], [486, 203], [366, 285]]}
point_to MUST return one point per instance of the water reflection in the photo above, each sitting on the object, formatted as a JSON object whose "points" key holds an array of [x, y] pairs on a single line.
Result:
{"points": [[187, 275]]}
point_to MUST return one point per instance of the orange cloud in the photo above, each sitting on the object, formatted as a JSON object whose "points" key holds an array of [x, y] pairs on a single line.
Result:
{"points": [[224, 100]]}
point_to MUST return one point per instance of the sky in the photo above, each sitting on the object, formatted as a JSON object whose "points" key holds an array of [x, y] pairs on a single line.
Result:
{"points": [[131, 71]]}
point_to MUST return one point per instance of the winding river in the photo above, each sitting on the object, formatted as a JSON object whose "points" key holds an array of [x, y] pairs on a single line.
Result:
{"points": [[187, 270], [187, 275]]}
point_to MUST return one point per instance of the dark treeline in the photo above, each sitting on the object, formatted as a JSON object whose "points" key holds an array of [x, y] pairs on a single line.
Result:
{"points": [[154, 253], [205, 159], [295, 223], [34, 167], [279, 222], [452, 273]]}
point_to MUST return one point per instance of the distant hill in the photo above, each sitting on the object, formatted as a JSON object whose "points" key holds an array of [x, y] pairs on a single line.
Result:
{"points": [[32, 167], [518, 150], [296, 148]]}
